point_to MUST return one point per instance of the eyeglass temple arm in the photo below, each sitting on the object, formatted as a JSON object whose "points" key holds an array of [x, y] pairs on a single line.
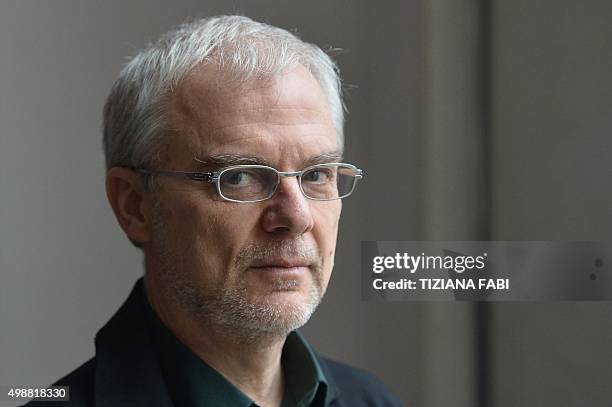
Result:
{"points": [[196, 176]]}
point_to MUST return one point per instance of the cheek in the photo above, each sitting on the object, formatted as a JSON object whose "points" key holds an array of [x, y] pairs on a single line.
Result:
{"points": [[218, 230], [202, 235]]}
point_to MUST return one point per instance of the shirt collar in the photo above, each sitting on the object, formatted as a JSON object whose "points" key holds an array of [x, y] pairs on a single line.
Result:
{"points": [[305, 380]]}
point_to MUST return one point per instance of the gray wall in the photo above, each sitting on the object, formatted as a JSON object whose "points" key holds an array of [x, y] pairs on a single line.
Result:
{"points": [[552, 140], [494, 113]]}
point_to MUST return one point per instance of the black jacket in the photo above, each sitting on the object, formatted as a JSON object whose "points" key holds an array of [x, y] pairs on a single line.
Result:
{"points": [[125, 371]]}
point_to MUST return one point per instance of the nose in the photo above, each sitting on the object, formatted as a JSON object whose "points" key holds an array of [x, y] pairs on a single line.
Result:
{"points": [[288, 212]]}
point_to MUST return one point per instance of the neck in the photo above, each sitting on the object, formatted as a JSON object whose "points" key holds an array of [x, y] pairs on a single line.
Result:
{"points": [[251, 363]]}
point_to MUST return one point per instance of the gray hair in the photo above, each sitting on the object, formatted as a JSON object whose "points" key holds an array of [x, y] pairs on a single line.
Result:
{"points": [[134, 113]]}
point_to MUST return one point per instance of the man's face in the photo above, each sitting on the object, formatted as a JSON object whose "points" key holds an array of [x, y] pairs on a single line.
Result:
{"points": [[248, 266]]}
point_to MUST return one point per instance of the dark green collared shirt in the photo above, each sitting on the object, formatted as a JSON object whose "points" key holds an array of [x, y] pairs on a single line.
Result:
{"points": [[193, 383]]}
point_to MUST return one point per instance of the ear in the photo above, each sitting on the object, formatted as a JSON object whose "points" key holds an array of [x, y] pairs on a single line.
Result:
{"points": [[130, 201]]}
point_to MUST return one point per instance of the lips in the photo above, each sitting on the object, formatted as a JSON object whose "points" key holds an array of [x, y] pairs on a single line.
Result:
{"points": [[281, 264], [288, 272]]}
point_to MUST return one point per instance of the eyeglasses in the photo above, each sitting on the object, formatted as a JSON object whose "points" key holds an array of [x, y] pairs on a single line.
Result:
{"points": [[256, 183]]}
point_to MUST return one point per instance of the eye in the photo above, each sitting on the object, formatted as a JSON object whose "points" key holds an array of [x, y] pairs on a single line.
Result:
{"points": [[318, 175], [240, 178]]}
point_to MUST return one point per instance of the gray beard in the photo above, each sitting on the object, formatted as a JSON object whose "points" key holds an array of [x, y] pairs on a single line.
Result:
{"points": [[228, 310], [247, 322]]}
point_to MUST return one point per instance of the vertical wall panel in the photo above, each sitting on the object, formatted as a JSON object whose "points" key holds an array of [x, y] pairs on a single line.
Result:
{"points": [[552, 98]]}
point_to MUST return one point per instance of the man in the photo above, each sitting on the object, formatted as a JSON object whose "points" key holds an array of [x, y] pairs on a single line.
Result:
{"points": [[223, 146]]}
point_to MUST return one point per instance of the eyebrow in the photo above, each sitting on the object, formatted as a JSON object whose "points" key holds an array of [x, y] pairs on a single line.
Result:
{"points": [[331, 157], [223, 160]]}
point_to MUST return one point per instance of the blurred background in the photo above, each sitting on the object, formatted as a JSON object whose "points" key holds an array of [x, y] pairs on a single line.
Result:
{"points": [[474, 120]]}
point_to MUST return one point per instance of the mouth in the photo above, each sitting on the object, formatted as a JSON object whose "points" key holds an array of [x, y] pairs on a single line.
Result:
{"points": [[281, 270], [281, 266]]}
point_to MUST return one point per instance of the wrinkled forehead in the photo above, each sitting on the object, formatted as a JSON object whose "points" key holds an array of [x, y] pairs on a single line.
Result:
{"points": [[207, 94], [207, 108]]}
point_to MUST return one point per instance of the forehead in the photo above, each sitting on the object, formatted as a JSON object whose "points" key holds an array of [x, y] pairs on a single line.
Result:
{"points": [[282, 117]]}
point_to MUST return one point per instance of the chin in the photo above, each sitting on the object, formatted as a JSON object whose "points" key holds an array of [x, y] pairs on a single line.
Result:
{"points": [[276, 313], [287, 304], [254, 313], [282, 321]]}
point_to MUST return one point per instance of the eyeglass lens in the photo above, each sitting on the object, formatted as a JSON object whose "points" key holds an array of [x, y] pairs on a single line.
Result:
{"points": [[324, 181]]}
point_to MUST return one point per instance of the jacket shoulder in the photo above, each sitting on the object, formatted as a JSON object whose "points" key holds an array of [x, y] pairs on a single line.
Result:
{"points": [[80, 384], [356, 387]]}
